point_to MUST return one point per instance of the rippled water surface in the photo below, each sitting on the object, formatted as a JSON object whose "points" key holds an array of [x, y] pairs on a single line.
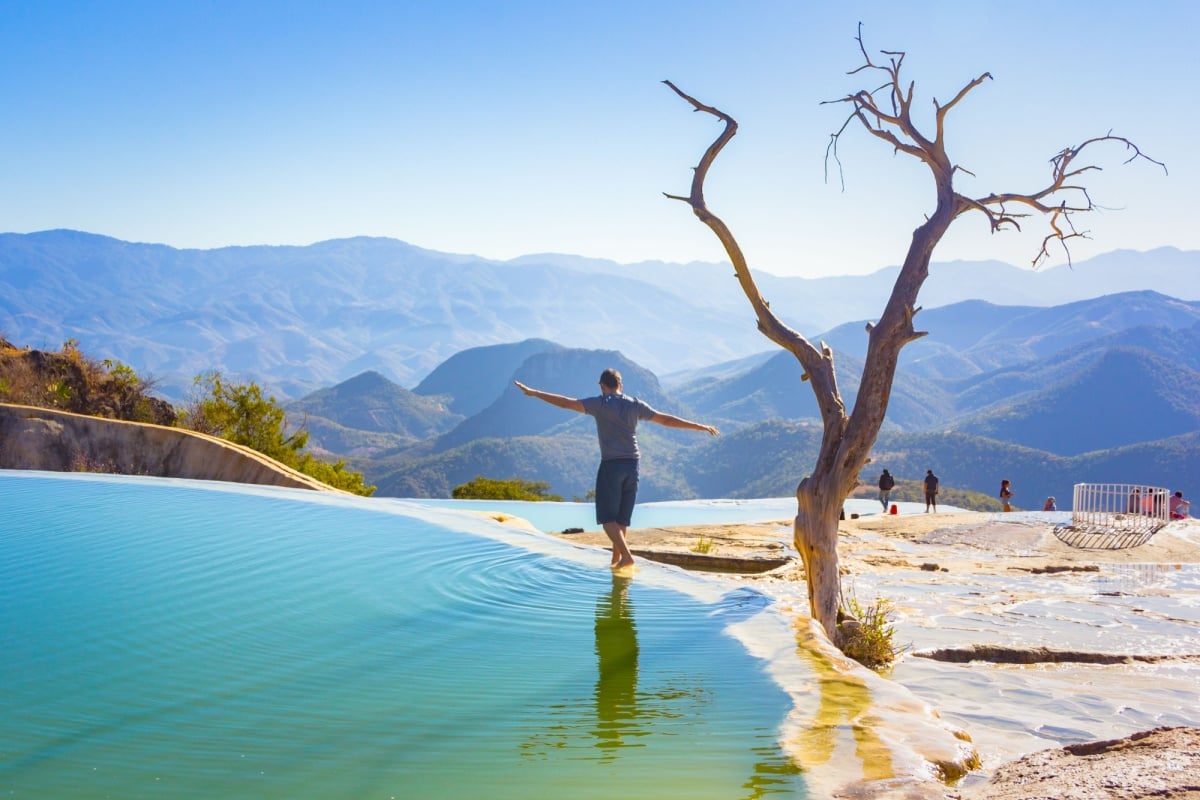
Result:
{"points": [[179, 639]]}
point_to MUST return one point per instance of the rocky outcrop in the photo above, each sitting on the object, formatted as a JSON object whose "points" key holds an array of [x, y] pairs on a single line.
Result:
{"points": [[71, 381], [1164, 762], [58, 441]]}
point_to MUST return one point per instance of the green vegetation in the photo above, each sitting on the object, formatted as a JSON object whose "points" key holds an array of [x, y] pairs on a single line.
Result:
{"points": [[868, 632], [68, 380], [334, 474], [704, 545], [482, 488], [241, 414]]}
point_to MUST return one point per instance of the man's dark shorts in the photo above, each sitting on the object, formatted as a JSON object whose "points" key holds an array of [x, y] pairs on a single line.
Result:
{"points": [[616, 490]]}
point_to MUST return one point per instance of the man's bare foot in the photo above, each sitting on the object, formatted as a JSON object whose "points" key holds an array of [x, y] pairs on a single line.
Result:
{"points": [[622, 565]]}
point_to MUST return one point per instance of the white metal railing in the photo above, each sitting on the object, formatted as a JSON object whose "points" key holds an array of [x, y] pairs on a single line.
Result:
{"points": [[1120, 507]]}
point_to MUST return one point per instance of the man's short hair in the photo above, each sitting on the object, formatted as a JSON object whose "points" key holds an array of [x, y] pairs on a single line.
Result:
{"points": [[610, 378]]}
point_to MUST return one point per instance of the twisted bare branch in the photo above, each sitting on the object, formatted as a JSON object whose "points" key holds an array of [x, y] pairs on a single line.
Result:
{"points": [[1058, 201], [817, 364]]}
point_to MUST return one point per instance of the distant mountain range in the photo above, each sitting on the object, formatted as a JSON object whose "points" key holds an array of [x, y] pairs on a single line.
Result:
{"points": [[297, 319], [1082, 375], [1112, 405]]}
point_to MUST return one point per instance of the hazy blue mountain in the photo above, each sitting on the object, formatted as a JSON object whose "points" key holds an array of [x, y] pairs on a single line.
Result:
{"points": [[330, 441], [975, 336], [1179, 346], [812, 305], [296, 319], [570, 372], [1125, 396], [1050, 330], [1080, 382], [472, 379], [370, 402], [1097, 394], [767, 459], [716, 372], [958, 326], [773, 390], [1026, 420], [300, 318]]}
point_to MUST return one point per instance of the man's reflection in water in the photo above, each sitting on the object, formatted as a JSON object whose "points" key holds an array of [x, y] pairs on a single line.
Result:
{"points": [[617, 654]]}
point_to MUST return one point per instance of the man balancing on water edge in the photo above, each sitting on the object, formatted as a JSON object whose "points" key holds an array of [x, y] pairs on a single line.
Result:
{"points": [[616, 417]]}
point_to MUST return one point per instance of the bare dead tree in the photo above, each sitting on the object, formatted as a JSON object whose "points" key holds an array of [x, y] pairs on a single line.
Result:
{"points": [[847, 438]]}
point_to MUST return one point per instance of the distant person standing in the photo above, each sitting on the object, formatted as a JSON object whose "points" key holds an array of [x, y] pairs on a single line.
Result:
{"points": [[886, 484], [1050, 505], [617, 417], [931, 490], [1006, 494]]}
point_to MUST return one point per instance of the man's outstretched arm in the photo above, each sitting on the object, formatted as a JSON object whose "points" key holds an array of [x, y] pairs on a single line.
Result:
{"points": [[672, 421], [562, 401]]}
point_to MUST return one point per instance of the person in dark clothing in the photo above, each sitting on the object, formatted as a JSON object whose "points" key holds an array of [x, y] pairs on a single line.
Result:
{"points": [[886, 484], [931, 490], [617, 416]]}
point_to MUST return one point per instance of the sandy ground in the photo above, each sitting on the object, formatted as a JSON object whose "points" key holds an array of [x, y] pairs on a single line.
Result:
{"points": [[980, 542]]}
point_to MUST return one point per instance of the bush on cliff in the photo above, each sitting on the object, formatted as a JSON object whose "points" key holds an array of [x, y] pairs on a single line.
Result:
{"points": [[68, 380], [241, 414]]}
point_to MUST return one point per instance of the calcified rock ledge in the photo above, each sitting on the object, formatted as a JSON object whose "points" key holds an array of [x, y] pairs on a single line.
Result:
{"points": [[1002, 654], [1164, 762], [57, 441]]}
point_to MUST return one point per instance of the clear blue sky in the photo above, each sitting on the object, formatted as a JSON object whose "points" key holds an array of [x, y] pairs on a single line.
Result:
{"points": [[508, 128]]}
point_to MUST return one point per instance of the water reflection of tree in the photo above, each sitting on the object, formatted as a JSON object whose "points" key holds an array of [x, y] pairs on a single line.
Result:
{"points": [[617, 657], [845, 702]]}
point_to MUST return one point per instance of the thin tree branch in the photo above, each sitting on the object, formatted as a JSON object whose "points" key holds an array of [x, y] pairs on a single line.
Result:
{"points": [[817, 364], [1058, 214]]}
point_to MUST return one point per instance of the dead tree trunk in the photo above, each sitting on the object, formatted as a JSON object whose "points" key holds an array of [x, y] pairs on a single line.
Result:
{"points": [[848, 437]]}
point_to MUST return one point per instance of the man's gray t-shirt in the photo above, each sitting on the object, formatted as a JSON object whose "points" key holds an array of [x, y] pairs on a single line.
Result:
{"points": [[616, 423]]}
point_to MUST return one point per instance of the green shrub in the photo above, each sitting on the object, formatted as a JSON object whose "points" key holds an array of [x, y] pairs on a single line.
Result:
{"points": [[868, 634], [335, 475], [239, 413], [482, 488]]}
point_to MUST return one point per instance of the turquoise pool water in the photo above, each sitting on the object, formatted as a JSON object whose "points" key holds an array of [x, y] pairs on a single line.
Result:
{"points": [[198, 640]]}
